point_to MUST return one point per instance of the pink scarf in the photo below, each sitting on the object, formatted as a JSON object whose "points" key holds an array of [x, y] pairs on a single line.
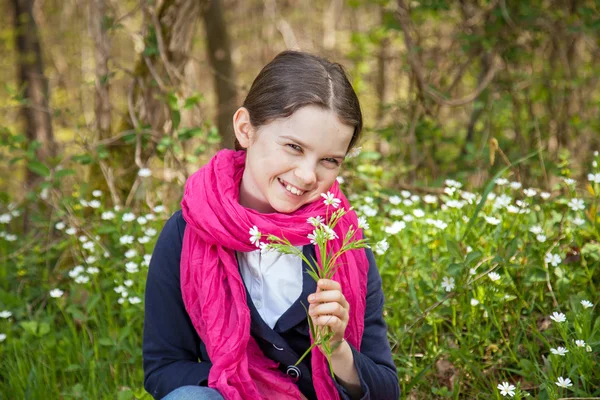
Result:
{"points": [[213, 290]]}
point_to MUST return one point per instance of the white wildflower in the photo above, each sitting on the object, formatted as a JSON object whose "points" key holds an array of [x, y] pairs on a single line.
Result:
{"points": [[97, 193], [418, 213], [578, 221], [569, 181], [60, 226], [448, 283], [530, 192], [130, 253], [144, 239], [144, 172], [492, 220], [56, 293], [408, 218], [395, 200], [131, 267], [558, 317], [406, 194], [455, 204], [95, 204], [126, 239], [506, 389], [545, 195], [368, 211], [340, 180], [315, 221], [107, 215], [453, 183], [468, 197], [92, 270], [396, 227], [586, 304], [449, 190], [502, 201], [71, 231], [474, 302], [501, 181], [563, 383], [330, 200], [10, 237], [576, 204], [536, 229], [90, 260], [76, 271], [142, 220], [2, 337], [150, 232], [159, 208], [128, 283], [362, 223], [429, 199], [541, 238], [150, 217], [368, 199], [559, 351], [381, 247], [553, 259], [595, 178], [135, 300], [407, 202], [128, 217], [515, 185], [396, 212], [88, 245], [5, 314], [82, 279], [255, 236], [494, 276], [580, 343]]}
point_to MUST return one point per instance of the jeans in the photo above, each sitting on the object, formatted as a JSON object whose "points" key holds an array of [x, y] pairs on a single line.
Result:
{"points": [[194, 393]]}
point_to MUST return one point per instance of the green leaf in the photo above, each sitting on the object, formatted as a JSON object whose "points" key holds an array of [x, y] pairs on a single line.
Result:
{"points": [[83, 159], [61, 173], [454, 249], [39, 168]]}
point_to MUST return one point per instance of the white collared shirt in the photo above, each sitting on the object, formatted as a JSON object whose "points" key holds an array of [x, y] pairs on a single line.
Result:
{"points": [[274, 281]]}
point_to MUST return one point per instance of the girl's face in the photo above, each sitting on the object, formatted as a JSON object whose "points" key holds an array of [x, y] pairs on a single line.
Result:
{"points": [[291, 161]]}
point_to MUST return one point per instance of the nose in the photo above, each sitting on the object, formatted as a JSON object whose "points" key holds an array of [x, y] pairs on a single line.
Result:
{"points": [[306, 174]]}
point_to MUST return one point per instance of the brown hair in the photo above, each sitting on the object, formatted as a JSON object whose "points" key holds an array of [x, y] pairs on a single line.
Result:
{"points": [[295, 79]]}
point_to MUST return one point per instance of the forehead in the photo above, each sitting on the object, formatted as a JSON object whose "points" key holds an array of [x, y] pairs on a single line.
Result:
{"points": [[317, 128]]}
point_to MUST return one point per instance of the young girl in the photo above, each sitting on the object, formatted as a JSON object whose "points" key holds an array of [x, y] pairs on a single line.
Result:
{"points": [[225, 320]]}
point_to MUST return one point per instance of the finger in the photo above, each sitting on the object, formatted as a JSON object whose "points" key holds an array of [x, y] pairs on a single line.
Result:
{"points": [[335, 309], [328, 284], [328, 296], [336, 324]]}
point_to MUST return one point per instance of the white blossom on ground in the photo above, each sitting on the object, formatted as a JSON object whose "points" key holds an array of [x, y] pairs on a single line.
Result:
{"points": [[559, 351], [60, 225], [88, 245], [10, 237], [408, 218], [97, 193], [119, 289], [150, 232], [418, 213], [448, 283], [131, 267], [396, 228], [406, 194], [553, 259], [569, 181], [83, 202], [494, 276], [71, 231], [501, 181], [578, 221], [449, 190], [144, 172], [368, 199], [126, 239], [558, 317], [144, 239], [367, 210], [580, 343], [395, 200], [142, 220], [429, 199], [135, 300], [453, 183], [515, 185], [128, 283], [595, 178], [94, 204], [492, 220], [586, 304], [5, 314], [415, 198], [563, 383], [90, 260], [255, 236], [329, 233], [76, 271], [396, 212], [536, 229], [92, 270], [5, 218], [147, 258], [455, 204], [506, 389], [107, 215], [56, 293], [545, 195], [576, 204], [474, 302], [529, 192], [407, 202], [2, 337], [159, 208], [541, 238], [128, 217], [330, 200], [130, 253], [502, 201], [82, 279], [381, 247], [150, 217]]}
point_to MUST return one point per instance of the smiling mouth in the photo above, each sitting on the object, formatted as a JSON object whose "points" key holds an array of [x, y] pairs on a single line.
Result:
{"points": [[291, 188]]}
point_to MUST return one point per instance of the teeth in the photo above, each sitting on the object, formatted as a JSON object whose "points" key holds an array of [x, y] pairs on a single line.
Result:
{"points": [[293, 190]]}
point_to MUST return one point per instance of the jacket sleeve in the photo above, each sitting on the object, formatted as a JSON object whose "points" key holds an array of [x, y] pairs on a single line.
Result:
{"points": [[171, 346], [374, 363]]}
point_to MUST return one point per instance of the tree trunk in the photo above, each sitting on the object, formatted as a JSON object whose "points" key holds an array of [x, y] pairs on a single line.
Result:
{"points": [[219, 54], [35, 112], [98, 30]]}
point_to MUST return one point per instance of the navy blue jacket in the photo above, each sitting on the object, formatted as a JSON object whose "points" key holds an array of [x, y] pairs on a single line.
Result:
{"points": [[175, 356]]}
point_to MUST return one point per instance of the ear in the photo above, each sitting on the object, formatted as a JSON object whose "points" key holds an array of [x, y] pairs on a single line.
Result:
{"points": [[244, 131]]}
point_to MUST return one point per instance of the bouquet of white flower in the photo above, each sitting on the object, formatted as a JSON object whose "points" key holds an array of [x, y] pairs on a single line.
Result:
{"points": [[322, 234]]}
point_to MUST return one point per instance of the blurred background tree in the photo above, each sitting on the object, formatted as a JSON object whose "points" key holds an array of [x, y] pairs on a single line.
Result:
{"points": [[119, 86]]}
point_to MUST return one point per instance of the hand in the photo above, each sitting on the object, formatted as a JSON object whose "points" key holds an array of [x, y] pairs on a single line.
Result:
{"points": [[328, 307]]}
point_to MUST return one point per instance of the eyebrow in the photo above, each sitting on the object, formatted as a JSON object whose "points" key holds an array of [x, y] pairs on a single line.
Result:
{"points": [[293, 139]]}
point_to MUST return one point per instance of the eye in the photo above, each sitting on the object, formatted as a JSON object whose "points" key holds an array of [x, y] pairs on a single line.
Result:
{"points": [[295, 147], [332, 161]]}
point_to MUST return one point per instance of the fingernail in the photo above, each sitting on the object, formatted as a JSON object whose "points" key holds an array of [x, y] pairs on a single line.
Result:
{"points": [[311, 297]]}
